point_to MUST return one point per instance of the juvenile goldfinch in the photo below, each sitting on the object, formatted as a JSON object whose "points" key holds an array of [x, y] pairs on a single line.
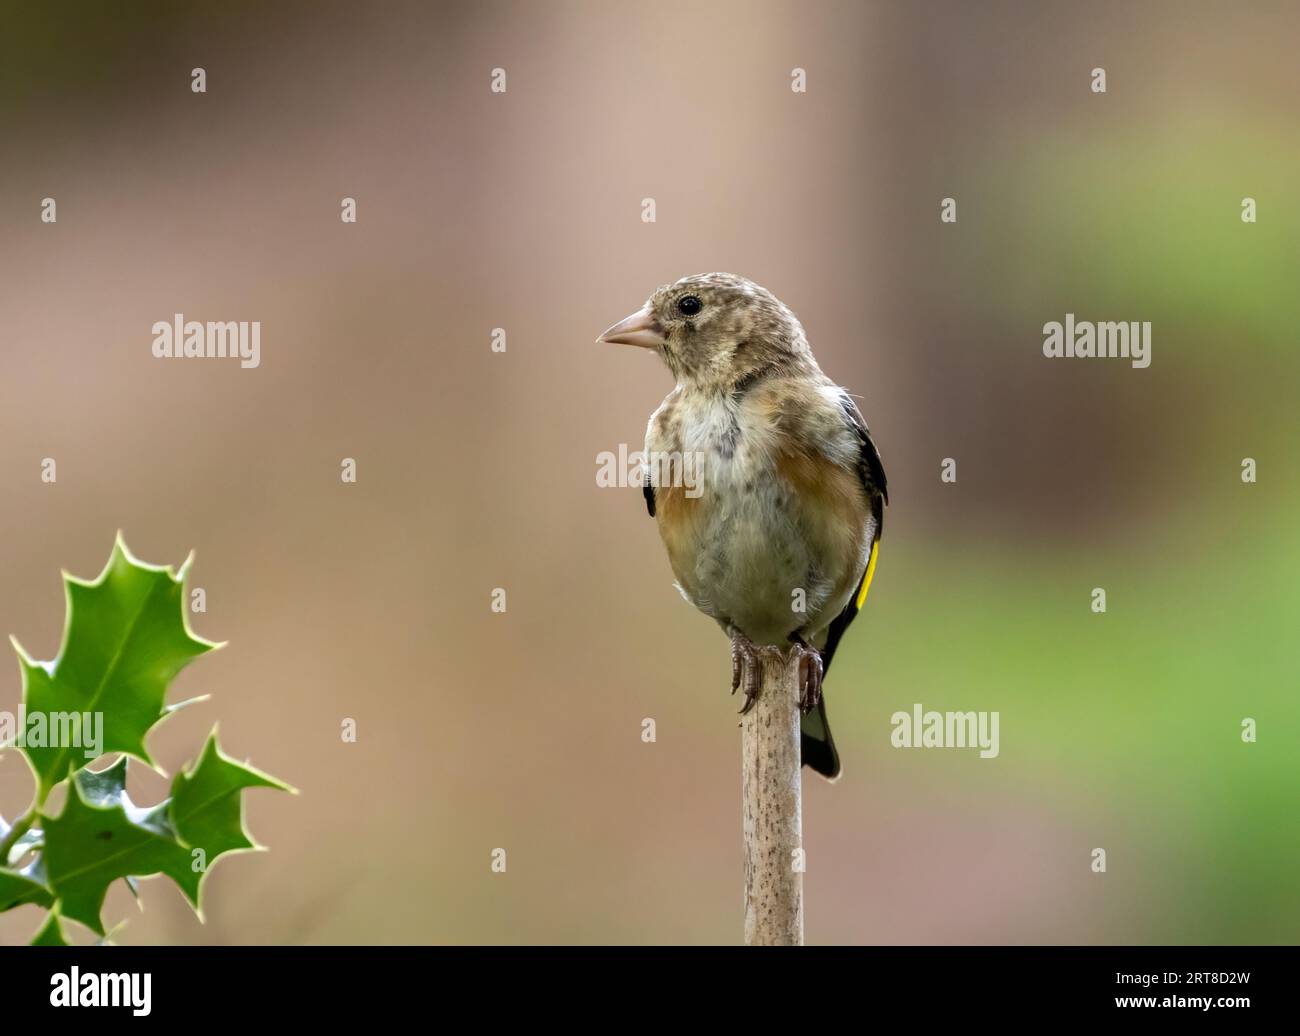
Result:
{"points": [[777, 541]]}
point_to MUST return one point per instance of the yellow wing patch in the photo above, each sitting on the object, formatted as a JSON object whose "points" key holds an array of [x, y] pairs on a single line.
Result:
{"points": [[866, 579]]}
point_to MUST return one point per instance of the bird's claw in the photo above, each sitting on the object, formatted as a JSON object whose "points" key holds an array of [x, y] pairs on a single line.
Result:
{"points": [[747, 669], [810, 676]]}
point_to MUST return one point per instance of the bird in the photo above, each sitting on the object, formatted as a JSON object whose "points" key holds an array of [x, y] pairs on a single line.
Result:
{"points": [[778, 539]]}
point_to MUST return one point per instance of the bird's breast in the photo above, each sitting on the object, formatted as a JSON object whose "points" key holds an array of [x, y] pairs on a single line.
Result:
{"points": [[765, 524]]}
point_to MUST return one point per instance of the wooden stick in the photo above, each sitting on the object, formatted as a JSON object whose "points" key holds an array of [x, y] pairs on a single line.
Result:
{"points": [[772, 811]]}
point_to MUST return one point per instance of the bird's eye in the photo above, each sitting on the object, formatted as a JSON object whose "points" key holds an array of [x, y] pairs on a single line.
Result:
{"points": [[689, 305]]}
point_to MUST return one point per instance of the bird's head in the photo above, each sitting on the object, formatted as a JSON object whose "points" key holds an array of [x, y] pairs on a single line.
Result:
{"points": [[715, 330]]}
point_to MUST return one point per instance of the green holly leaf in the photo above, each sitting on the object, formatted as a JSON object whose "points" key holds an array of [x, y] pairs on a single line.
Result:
{"points": [[207, 809], [51, 932], [124, 640], [102, 836]]}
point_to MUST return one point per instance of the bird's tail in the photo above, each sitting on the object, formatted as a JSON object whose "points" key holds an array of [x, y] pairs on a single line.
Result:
{"points": [[816, 745]]}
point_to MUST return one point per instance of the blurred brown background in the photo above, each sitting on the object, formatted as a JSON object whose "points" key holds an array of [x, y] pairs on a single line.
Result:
{"points": [[477, 470]]}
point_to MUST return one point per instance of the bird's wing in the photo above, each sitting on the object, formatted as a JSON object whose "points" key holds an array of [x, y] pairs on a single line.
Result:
{"points": [[872, 473], [871, 470], [649, 492], [817, 747]]}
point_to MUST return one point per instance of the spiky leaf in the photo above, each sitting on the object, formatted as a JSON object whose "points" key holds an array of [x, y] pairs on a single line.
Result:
{"points": [[102, 836], [206, 808], [125, 638]]}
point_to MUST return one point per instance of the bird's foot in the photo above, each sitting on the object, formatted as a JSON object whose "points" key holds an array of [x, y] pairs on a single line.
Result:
{"points": [[747, 667], [810, 674]]}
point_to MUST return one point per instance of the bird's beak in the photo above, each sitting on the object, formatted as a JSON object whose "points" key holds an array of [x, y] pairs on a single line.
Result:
{"points": [[641, 328]]}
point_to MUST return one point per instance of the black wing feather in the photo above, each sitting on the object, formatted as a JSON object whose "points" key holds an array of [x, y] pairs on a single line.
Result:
{"points": [[872, 473]]}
